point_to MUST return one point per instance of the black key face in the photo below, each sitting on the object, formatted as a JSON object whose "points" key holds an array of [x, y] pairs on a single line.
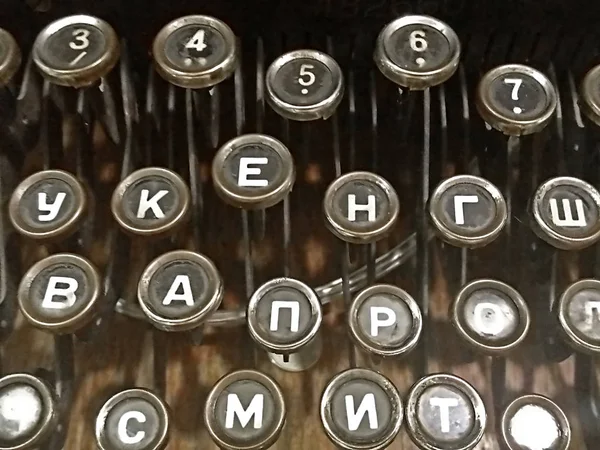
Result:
{"points": [[361, 207], [533, 421], [135, 419], [361, 407], [419, 48], [245, 409], [579, 315], [518, 96], [196, 48], [179, 289], [10, 57], [566, 213], [60, 293], [283, 315], [48, 205], [468, 211], [385, 320], [74, 46]]}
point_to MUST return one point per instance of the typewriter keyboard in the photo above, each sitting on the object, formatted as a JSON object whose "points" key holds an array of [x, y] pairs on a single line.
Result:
{"points": [[297, 240]]}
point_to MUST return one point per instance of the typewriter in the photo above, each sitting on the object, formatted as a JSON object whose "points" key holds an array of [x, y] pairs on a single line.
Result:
{"points": [[299, 224]]}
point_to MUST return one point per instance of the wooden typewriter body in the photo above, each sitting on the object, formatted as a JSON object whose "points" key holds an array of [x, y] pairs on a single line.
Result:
{"points": [[96, 131]]}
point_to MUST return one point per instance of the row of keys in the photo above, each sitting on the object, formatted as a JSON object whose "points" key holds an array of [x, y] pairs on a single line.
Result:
{"points": [[360, 409]]}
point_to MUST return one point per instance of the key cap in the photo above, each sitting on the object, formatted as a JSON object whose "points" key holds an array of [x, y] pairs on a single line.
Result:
{"points": [[10, 57], [490, 316], [61, 293], [417, 52], [516, 99], [444, 411], [151, 202], [304, 85], [48, 205], [361, 207], [28, 415], [534, 421], [133, 419], [76, 51], [590, 95], [468, 211], [361, 409], [179, 290], [579, 315], [195, 52], [385, 320], [284, 317], [566, 213], [245, 410]]}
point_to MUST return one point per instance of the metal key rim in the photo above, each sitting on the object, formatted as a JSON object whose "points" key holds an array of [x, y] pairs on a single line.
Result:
{"points": [[588, 98], [10, 65]]}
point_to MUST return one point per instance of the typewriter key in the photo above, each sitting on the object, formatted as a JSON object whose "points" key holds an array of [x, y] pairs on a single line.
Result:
{"points": [[590, 95], [468, 211], [535, 422], [384, 320], [284, 318], [48, 205], [245, 410], [304, 85], [361, 409], [579, 315], [10, 57], [28, 414], [253, 171], [443, 412], [361, 207], [516, 99], [417, 52], [566, 213], [195, 52], [151, 202], [60, 293], [133, 419], [179, 290], [76, 50], [491, 316]]}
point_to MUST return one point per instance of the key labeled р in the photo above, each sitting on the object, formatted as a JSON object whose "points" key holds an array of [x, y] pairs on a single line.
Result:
{"points": [[48, 205], [566, 213], [444, 411], [535, 421], [179, 290], [304, 85], [133, 419], [28, 413], [60, 293], [361, 409], [579, 315], [151, 202], [245, 410], [467, 211], [385, 320], [10, 57]]}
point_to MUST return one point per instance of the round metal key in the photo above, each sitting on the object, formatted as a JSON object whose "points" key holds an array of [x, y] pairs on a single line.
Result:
{"points": [[566, 213], [151, 202], [60, 293], [361, 207], [179, 290], [534, 421], [245, 410], [284, 318], [253, 171], [133, 419], [28, 413], [579, 315], [48, 205], [10, 57], [444, 411], [385, 320], [417, 52], [76, 51], [468, 211], [516, 99], [491, 316], [589, 95], [305, 85], [361, 409], [195, 52]]}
